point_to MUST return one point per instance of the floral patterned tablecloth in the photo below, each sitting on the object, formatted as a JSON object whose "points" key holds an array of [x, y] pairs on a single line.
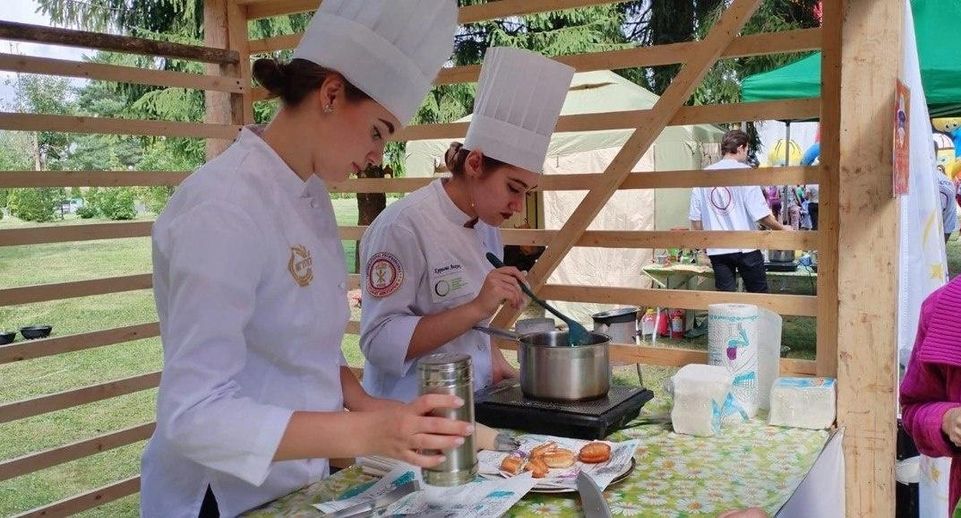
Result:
{"points": [[676, 476]]}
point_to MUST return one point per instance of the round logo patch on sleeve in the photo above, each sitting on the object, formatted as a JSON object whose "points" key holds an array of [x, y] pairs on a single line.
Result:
{"points": [[384, 274]]}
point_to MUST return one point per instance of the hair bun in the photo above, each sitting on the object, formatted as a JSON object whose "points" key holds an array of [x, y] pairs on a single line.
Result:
{"points": [[453, 158], [271, 75]]}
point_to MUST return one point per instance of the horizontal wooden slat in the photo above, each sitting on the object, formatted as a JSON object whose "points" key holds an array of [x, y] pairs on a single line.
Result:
{"points": [[467, 14], [353, 327], [11, 179], [587, 181], [72, 124], [71, 398], [66, 233], [30, 349], [801, 305], [120, 74], [87, 500], [73, 451], [752, 45], [765, 240], [707, 114], [69, 290], [111, 42]]}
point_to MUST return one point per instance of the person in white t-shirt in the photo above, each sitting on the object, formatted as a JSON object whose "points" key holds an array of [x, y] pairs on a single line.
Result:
{"points": [[733, 208]]}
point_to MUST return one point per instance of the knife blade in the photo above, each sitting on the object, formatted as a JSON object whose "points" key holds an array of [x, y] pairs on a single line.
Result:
{"points": [[378, 502], [592, 499]]}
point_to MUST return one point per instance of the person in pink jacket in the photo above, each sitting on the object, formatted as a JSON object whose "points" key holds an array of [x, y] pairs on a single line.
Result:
{"points": [[931, 389]]}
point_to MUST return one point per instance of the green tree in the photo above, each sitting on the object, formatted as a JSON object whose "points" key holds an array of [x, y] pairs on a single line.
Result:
{"points": [[38, 205]]}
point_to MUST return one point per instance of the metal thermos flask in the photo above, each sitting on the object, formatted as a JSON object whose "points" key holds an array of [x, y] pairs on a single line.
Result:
{"points": [[450, 373]]}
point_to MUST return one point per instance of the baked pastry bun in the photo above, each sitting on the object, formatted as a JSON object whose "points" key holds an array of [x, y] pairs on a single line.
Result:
{"points": [[537, 467], [595, 452], [513, 464], [559, 458], [540, 450]]}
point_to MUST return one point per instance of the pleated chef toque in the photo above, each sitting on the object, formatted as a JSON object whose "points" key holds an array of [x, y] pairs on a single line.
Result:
{"points": [[519, 97], [390, 49]]}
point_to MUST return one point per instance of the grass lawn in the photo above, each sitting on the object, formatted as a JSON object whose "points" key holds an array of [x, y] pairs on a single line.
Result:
{"points": [[62, 262]]}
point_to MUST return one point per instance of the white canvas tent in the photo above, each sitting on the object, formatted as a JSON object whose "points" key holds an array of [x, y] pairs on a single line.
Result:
{"points": [[677, 148]]}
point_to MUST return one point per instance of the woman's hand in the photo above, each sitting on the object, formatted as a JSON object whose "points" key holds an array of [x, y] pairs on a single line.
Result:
{"points": [[501, 285], [951, 425], [400, 432], [500, 367]]}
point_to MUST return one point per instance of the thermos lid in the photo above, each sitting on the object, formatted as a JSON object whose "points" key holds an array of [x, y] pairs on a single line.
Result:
{"points": [[444, 369], [616, 316]]}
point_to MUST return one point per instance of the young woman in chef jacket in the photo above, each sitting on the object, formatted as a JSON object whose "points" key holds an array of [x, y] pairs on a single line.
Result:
{"points": [[250, 280], [426, 280]]}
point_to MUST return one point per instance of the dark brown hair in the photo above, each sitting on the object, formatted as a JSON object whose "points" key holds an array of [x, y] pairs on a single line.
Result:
{"points": [[456, 155], [732, 140], [293, 81]]}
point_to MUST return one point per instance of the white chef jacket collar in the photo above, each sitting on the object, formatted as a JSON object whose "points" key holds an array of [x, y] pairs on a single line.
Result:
{"points": [[280, 172], [449, 209]]}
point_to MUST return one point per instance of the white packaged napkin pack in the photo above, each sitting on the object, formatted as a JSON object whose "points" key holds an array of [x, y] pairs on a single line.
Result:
{"points": [[803, 402], [700, 392]]}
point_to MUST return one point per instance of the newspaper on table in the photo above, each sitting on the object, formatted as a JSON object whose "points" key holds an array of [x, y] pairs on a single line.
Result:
{"points": [[477, 499], [603, 473]]}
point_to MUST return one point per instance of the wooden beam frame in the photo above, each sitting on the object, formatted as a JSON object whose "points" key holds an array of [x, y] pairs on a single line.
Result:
{"points": [[868, 228], [467, 14], [71, 398], [658, 55], [88, 500], [73, 124], [95, 40], [73, 451], [65, 233], [119, 74], [684, 115], [69, 290], [666, 109], [28, 350], [15, 179], [587, 181]]}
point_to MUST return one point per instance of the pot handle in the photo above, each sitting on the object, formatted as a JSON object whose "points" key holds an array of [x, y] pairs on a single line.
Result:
{"points": [[500, 333]]}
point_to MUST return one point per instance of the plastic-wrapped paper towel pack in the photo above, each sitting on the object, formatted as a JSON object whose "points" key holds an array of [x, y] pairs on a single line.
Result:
{"points": [[803, 402], [746, 341], [700, 392]]}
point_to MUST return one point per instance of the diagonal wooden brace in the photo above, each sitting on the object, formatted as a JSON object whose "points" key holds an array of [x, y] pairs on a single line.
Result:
{"points": [[680, 90]]}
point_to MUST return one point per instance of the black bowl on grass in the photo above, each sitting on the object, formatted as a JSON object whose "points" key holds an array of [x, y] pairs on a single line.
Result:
{"points": [[7, 337], [32, 332]]}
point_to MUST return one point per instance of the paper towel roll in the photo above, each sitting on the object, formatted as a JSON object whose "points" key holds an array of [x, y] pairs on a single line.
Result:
{"points": [[769, 355], [732, 343]]}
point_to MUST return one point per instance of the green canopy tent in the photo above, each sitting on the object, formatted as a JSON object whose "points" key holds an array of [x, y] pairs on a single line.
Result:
{"points": [[935, 23]]}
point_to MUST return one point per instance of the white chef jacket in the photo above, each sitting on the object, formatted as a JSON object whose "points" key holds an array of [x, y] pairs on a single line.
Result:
{"points": [[250, 285], [728, 208], [419, 260]]}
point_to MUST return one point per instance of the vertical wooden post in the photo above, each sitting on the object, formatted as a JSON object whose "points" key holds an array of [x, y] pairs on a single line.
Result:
{"points": [[242, 105], [217, 104], [867, 275], [827, 320]]}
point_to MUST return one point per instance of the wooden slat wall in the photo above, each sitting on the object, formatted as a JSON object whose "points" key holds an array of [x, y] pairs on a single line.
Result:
{"points": [[121, 74], [228, 85], [87, 500], [71, 398]]}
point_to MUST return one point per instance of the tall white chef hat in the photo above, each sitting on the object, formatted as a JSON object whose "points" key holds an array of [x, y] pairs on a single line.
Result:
{"points": [[519, 97], [390, 49]]}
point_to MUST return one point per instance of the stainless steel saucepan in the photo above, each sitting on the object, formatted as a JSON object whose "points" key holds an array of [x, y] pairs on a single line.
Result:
{"points": [[551, 369]]}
